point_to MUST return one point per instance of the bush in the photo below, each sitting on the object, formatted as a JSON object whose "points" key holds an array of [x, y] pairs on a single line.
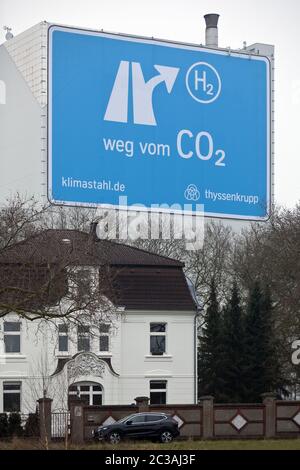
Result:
{"points": [[3, 425], [32, 428], [14, 425]]}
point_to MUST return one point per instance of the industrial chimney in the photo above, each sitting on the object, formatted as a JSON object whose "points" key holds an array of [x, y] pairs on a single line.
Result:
{"points": [[211, 33]]}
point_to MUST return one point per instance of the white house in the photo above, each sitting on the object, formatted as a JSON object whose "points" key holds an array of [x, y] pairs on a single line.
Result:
{"points": [[147, 349]]}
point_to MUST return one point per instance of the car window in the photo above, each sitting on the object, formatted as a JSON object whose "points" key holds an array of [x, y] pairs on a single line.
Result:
{"points": [[155, 417], [138, 419], [123, 419]]}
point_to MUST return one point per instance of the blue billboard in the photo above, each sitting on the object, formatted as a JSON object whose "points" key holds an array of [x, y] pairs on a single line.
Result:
{"points": [[157, 125]]}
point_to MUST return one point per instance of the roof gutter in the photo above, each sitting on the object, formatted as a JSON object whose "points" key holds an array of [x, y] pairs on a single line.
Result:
{"points": [[196, 316]]}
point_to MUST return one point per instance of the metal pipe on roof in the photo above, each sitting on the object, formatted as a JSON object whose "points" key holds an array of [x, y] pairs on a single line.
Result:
{"points": [[211, 33]]}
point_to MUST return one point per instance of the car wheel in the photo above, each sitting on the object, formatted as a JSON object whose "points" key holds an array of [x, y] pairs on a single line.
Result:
{"points": [[114, 437], [166, 436]]}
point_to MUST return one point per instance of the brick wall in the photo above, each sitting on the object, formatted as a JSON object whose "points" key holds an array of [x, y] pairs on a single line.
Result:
{"points": [[239, 421], [288, 419], [207, 420]]}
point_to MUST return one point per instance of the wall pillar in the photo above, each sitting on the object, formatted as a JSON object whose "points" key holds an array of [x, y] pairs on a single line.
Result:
{"points": [[143, 404], [207, 417], [269, 400], [77, 421], [45, 419]]}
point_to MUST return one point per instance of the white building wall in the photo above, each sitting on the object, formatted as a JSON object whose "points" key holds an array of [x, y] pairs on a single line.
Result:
{"points": [[129, 354], [28, 51], [176, 366], [21, 144]]}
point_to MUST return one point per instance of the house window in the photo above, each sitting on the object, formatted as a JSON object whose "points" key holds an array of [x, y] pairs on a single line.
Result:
{"points": [[11, 397], [12, 336], [157, 339], [89, 392], [63, 340], [83, 338], [104, 337], [158, 392]]}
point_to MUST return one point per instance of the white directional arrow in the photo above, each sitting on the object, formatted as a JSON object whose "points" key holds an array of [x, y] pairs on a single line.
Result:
{"points": [[117, 108], [142, 91], [167, 74]]}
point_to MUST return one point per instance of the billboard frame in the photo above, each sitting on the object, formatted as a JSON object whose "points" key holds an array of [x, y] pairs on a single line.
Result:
{"points": [[243, 53]]}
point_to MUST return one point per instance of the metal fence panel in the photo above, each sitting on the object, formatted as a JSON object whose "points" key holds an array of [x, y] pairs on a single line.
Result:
{"points": [[60, 424]]}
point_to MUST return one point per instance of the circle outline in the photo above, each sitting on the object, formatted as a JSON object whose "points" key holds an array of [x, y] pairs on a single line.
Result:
{"points": [[188, 86]]}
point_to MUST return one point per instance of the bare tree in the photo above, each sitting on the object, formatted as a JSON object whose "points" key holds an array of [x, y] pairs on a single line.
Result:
{"points": [[212, 261], [158, 235], [51, 274], [20, 218], [40, 384], [68, 218], [271, 253]]}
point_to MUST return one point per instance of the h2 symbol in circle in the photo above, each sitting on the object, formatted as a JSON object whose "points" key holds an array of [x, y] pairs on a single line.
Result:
{"points": [[142, 91], [203, 82]]}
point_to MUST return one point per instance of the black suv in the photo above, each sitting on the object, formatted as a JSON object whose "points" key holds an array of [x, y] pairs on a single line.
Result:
{"points": [[139, 426]]}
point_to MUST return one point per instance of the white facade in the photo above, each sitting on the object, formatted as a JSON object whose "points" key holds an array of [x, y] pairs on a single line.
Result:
{"points": [[23, 110], [124, 372]]}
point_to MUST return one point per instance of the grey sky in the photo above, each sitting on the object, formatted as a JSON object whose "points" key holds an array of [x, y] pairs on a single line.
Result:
{"points": [[268, 21]]}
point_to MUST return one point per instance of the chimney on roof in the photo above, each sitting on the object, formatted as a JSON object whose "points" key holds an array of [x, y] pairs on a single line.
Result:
{"points": [[93, 231], [211, 33]]}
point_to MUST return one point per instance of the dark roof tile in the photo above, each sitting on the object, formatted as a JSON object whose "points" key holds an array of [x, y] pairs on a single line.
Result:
{"points": [[150, 288], [52, 245], [142, 280]]}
